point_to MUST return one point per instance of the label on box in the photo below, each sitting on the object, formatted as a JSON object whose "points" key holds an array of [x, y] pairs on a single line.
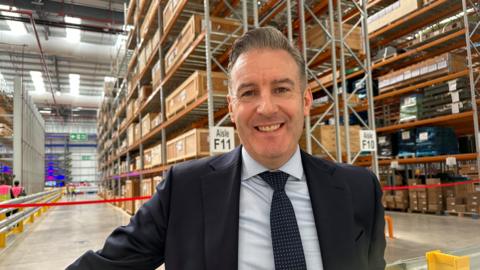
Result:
{"points": [[382, 139], [451, 161], [415, 72], [368, 141], [222, 139], [423, 136], [407, 75], [183, 95], [455, 108], [442, 64], [406, 135], [452, 85], [394, 164], [455, 97]]}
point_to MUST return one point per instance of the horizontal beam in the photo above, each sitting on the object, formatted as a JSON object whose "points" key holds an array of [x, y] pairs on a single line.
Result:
{"points": [[73, 10]]}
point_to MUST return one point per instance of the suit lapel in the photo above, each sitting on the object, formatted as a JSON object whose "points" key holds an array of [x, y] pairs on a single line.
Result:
{"points": [[332, 212], [221, 193]]}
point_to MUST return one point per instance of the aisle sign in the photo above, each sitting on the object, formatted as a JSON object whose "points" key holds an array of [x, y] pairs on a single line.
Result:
{"points": [[368, 141], [78, 136], [222, 139]]}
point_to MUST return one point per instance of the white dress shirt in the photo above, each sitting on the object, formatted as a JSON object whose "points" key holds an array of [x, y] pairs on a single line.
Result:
{"points": [[254, 237]]}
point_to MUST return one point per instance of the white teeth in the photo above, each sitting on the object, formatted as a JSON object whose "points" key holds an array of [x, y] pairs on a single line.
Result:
{"points": [[269, 128]]}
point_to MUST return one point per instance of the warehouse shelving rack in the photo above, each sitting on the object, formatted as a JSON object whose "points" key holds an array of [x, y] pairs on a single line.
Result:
{"points": [[292, 17], [207, 110]]}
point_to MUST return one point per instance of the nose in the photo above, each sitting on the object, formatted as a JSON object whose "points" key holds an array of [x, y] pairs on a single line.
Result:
{"points": [[266, 104]]}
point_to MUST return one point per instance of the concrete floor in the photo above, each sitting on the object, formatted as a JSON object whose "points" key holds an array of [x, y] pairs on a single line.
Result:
{"points": [[64, 233], [61, 235]]}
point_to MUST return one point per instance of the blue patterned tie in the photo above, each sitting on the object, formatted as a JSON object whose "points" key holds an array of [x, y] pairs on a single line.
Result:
{"points": [[286, 241]]}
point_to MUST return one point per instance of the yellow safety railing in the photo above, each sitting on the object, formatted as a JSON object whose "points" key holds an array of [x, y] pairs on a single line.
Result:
{"points": [[436, 260], [15, 223]]}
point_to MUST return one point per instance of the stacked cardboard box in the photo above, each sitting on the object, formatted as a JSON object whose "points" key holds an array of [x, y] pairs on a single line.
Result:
{"points": [[391, 13], [316, 36], [452, 202], [146, 187], [440, 65], [193, 88], [410, 107], [446, 98], [193, 143], [401, 199], [434, 141], [473, 202], [147, 122], [435, 196], [413, 195], [132, 189], [406, 142], [325, 134]]}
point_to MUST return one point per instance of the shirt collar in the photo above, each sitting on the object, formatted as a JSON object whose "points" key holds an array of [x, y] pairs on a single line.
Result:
{"points": [[250, 167]]}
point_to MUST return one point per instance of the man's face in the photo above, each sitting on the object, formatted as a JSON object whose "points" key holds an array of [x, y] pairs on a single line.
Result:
{"points": [[267, 105]]}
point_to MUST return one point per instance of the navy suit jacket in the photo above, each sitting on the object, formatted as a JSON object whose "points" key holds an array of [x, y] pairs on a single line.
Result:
{"points": [[192, 220]]}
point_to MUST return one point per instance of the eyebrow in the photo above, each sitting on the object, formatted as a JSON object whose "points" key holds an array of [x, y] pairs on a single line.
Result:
{"points": [[245, 85], [286, 80]]}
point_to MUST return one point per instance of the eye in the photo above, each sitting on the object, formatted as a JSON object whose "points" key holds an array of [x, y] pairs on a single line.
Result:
{"points": [[281, 90], [247, 93]]}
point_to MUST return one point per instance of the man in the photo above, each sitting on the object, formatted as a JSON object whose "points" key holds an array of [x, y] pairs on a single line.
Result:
{"points": [[266, 204], [4, 190]]}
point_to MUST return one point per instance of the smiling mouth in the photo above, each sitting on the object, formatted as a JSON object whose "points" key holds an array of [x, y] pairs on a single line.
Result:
{"points": [[269, 128]]}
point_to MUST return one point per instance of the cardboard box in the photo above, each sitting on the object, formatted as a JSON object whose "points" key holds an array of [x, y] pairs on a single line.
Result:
{"points": [[131, 134], [137, 128], [156, 75], [147, 122], [193, 88], [144, 93], [435, 207], [316, 36], [157, 120], [395, 11], [189, 33], [132, 189], [326, 135], [193, 143], [460, 208], [157, 154], [147, 158]]}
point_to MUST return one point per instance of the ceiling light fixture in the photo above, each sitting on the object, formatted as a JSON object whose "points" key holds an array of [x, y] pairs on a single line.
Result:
{"points": [[37, 80], [16, 27], [73, 34], [74, 84]]}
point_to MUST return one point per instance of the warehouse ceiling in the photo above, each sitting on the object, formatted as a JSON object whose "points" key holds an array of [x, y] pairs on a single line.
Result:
{"points": [[78, 40]]}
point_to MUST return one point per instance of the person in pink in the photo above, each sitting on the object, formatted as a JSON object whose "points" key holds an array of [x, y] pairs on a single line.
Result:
{"points": [[4, 191], [17, 190]]}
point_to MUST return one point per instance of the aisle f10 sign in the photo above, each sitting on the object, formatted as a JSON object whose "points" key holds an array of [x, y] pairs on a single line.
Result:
{"points": [[368, 141], [222, 139]]}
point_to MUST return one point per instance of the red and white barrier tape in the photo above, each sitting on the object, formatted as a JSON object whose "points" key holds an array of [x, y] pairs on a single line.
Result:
{"points": [[18, 205]]}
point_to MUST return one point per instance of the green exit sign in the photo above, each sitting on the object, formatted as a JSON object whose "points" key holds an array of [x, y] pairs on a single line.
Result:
{"points": [[78, 136], [86, 157]]}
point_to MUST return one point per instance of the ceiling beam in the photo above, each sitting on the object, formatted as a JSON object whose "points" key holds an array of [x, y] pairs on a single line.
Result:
{"points": [[74, 10]]}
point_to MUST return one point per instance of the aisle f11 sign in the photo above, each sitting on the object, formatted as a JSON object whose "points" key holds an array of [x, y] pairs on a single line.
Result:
{"points": [[222, 139], [368, 141]]}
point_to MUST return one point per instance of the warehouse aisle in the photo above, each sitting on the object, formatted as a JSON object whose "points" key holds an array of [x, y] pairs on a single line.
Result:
{"points": [[61, 235], [416, 234], [64, 233]]}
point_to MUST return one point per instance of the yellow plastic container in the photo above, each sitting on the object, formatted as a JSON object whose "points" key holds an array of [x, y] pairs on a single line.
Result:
{"points": [[436, 260]]}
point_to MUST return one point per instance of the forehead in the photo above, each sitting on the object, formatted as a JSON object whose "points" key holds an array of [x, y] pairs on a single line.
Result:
{"points": [[265, 64]]}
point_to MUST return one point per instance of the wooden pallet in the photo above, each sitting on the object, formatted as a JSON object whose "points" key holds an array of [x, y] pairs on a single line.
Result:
{"points": [[462, 214]]}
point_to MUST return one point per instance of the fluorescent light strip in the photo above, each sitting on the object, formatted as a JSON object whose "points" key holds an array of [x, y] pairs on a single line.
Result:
{"points": [[17, 28], [74, 84], [73, 35], [37, 81]]}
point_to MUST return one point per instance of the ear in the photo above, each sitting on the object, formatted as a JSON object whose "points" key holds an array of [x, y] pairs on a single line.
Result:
{"points": [[230, 108], [307, 101]]}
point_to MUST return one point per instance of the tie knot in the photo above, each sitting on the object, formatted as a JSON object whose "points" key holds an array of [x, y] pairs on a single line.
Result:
{"points": [[276, 180]]}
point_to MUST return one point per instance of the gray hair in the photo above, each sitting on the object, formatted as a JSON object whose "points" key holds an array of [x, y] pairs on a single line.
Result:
{"points": [[265, 38]]}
